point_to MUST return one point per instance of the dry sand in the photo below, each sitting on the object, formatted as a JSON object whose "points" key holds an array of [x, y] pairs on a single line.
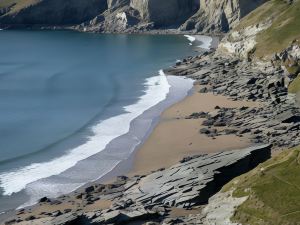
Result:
{"points": [[176, 137]]}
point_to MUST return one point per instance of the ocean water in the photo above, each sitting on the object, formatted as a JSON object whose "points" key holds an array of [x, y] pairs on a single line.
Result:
{"points": [[75, 105]]}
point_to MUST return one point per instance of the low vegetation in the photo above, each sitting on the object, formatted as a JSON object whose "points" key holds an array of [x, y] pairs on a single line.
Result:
{"points": [[273, 189], [294, 87], [16, 5], [285, 26]]}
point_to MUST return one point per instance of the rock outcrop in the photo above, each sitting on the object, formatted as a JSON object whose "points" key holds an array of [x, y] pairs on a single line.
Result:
{"points": [[276, 121], [51, 12], [165, 13], [142, 199], [220, 16], [129, 15]]}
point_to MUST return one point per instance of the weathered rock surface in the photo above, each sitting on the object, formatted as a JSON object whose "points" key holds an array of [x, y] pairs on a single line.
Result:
{"points": [[219, 15], [52, 12], [129, 16], [192, 182], [276, 121], [241, 43], [164, 13], [150, 198]]}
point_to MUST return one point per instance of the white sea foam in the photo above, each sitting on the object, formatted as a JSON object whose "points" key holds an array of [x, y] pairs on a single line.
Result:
{"points": [[190, 38], [203, 39], [206, 41], [105, 131]]}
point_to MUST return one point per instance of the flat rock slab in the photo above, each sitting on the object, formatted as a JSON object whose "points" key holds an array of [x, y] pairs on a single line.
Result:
{"points": [[194, 181]]}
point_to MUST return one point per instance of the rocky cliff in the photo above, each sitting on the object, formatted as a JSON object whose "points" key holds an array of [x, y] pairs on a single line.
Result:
{"points": [[49, 12], [148, 199], [219, 15], [128, 15], [267, 30], [165, 13]]}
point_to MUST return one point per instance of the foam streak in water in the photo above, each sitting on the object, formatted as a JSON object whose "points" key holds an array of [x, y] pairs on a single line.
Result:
{"points": [[190, 38], [205, 41], [156, 91]]}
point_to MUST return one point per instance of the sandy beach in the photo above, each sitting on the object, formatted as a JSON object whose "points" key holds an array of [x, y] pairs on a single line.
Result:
{"points": [[176, 137]]}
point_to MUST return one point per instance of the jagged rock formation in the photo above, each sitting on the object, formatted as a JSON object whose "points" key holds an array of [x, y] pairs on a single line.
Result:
{"points": [[164, 13], [276, 122], [129, 15], [144, 198], [219, 15], [50, 12], [267, 30], [242, 43], [112, 4], [138, 16]]}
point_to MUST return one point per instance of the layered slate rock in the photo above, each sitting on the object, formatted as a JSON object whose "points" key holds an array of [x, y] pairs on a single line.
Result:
{"points": [[165, 13], [274, 119], [194, 180], [220, 15], [135, 16], [188, 184]]}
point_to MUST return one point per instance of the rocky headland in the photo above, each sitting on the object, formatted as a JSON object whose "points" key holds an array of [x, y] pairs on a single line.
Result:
{"points": [[152, 199], [246, 67], [127, 16], [188, 192]]}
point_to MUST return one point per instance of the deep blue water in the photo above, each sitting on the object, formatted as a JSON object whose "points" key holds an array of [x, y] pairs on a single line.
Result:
{"points": [[55, 86]]}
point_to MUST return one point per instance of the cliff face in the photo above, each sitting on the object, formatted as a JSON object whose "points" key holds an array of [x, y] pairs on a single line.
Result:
{"points": [[267, 30], [220, 15], [117, 3], [210, 16], [164, 13], [50, 12]]}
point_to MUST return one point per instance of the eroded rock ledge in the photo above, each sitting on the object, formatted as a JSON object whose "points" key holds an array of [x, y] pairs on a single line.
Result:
{"points": [[275, 121], [152, 197], [127, 16]]}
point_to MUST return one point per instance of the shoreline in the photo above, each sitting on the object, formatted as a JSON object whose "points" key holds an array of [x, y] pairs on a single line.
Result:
{"points": [[148, 157], [176, 137], [138, 161], [125, 164], [129, 163], [190, 154], [74, 186], [140, 127]]}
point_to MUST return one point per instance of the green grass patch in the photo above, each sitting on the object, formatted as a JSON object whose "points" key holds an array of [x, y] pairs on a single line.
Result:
{"points": [[273, 189], [16, 5], [284, 29], [268, 10], [294, 87]]}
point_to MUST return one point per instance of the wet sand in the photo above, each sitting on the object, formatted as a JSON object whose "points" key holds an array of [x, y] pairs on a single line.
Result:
{"points": [[176, 137]]}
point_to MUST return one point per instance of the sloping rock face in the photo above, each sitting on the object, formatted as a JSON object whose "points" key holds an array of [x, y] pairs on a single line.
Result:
{"points": [[117, 3], [54, 12], [141, 199], [130, 16], [194, 180], [219, 15], [164, 13]]}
